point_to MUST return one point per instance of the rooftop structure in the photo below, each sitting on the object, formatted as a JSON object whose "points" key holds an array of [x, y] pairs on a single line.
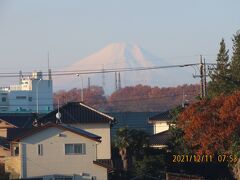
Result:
{"points": [[32, 94]]}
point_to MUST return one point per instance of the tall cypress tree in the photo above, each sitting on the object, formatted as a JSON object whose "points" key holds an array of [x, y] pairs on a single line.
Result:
{"points": [[235, 64], [219, 77]]}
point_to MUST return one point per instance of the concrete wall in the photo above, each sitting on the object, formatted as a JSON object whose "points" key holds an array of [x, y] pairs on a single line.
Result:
{"points": [[54, 160], [103, 130]]}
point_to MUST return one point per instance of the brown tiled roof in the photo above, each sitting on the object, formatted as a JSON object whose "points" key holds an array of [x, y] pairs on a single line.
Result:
{"points": [[60, 126], [77, 112], [107, 163]]}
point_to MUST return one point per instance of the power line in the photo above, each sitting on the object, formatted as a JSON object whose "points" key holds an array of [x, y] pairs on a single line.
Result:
{"points": [[99, 71]]}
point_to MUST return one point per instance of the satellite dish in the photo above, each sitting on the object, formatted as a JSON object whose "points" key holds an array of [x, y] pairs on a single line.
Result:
{"points": [[58, 115], [35, 123]]}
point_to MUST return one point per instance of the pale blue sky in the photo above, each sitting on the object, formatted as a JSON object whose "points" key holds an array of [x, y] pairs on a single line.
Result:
{"points": [[174, 30]]}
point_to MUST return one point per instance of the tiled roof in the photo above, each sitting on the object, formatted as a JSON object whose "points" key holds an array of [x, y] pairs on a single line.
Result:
{"points": [[18, 119], [136, 120], [60, 126], [80, 131], [161, 138], [76, 112], [107, 163], [13, 133], [163, 116]]}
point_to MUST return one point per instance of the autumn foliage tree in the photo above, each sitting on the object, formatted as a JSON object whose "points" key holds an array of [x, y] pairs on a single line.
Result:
{"points": [[93, 96], [147, 98], [209, 125]]}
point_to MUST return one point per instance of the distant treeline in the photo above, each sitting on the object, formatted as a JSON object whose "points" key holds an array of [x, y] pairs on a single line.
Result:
{"points": [[137, 98]]}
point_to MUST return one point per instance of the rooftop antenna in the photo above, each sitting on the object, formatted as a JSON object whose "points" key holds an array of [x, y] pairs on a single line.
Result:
{"points": [[89, 83], [58, 115], [119, 80], [35, 122], [116, 85], [20, 76], [49, 70]]}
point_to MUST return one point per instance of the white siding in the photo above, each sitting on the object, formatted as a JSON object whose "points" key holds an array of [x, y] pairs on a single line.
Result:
{"points": [[160, 127], [54, 160], [103, 130]]}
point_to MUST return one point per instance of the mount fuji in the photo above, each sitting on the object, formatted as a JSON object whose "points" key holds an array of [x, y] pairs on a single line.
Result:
{"points": [[122, 55]]}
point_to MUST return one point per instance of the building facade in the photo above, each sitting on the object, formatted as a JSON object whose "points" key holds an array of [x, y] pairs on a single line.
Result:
{"points": [[56, 149], [32, 94], [79, 115], [162, 135]]}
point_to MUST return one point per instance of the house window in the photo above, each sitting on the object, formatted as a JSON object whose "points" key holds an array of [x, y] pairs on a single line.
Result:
{"points": [[75, 149], [40, 149], [29, 98], [21, 97], [16, 151], [4, 99]]}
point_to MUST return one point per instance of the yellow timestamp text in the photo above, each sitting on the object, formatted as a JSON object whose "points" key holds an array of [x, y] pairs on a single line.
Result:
{"points": [[204, 158]]}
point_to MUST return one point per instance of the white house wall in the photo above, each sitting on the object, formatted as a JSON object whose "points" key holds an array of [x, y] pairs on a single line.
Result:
{"points": [[103, 130], [54, 160], [160, 127]]}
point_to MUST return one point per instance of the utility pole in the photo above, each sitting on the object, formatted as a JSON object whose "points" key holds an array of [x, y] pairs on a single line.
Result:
{"points": [[201, 81], [89, 83], [119, 80], [203, 76], [205, 79], [20, 77], [82, 89], [82, 86]]}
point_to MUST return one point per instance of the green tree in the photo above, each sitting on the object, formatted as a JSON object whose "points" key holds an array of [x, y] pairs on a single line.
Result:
{"points": [[220, 76], [139, 140], [235, 64], [177, 143], [122, 142], [130, 142], [150, 166]]}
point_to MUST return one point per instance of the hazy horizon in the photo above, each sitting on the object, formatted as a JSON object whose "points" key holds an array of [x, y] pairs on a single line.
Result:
{"points": [[176, 31]]}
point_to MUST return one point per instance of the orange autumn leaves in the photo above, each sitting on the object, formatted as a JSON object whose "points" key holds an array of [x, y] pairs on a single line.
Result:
{"points": [[209, 125]]}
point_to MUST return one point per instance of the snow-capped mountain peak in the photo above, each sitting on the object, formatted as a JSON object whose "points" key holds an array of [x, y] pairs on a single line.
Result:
{"points": [[121, 55]]}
